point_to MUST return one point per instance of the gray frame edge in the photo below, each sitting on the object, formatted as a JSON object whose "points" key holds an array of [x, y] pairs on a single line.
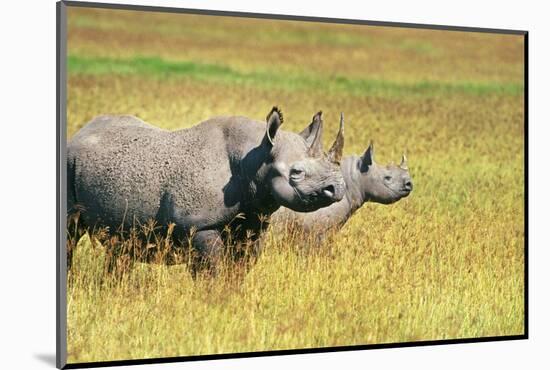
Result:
{"points": [[61, 188]]}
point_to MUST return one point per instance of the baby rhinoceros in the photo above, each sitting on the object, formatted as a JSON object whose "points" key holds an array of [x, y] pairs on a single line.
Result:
{"points": [[366, 181], [216, 181]]}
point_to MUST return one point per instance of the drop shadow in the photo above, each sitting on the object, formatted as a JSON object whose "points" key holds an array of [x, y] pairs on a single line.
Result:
{"points": [[47, 358]]}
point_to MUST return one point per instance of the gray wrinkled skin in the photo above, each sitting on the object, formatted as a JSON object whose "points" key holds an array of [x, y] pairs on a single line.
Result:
{"points": [[366, 181], [123, 172]]}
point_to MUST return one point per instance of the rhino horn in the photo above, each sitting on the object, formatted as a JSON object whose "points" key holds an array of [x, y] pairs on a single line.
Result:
{"points": [[315, 135], [404, 164], [274, 121], [335, 152]]}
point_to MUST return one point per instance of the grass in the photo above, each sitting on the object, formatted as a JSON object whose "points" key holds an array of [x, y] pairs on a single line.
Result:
{"points": [[446, 262], [160, 68]]}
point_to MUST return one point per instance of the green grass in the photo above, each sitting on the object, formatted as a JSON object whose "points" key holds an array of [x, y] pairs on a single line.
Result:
{"points": [[160, 68], [446, 262]]}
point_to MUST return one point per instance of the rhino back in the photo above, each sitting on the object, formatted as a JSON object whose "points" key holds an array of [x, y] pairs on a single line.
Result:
{"points": [[117, 170]]}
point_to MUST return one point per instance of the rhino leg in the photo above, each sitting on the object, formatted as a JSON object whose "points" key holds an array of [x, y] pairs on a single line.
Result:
{"points": [[75, 231], [209, 246], [75, 228]]}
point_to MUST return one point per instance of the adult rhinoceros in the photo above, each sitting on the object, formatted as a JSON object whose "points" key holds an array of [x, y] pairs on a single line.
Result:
{"points": [[225, 173], [366, 181]]}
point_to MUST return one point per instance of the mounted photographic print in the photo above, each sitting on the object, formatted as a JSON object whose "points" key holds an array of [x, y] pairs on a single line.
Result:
{"points": [[236, 184]]}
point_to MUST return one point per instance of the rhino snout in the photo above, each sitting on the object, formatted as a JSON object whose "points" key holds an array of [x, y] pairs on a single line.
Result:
{"points": [[333, 192], [407, 186]]}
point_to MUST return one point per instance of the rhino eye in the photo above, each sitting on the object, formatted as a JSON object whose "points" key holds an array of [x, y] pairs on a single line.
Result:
{"points": [[387, 178], [296, 173]]}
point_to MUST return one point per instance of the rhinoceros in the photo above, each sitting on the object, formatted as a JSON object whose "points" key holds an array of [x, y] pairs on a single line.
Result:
{"points": [[366, 181], [226, 173]]}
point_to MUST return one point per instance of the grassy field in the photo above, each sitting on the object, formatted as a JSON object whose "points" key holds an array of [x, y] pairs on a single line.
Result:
{"points": [[446, 262]]}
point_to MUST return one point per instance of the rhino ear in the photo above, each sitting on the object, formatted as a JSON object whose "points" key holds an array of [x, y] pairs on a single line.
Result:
{"points": [[309, 133], [367, 159], [274, 121], [313, 135]]}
